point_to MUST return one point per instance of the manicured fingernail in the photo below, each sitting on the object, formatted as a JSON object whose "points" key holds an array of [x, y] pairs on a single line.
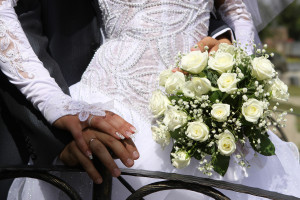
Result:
{"points": [[128, 133], [136, 155], [129, 162], [90, 155], [133, 129], [98, 181], [120, 135], [116, 172]]}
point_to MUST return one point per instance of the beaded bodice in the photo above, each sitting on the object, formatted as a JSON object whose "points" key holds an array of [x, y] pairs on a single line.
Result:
{"points": [[143, 36]]}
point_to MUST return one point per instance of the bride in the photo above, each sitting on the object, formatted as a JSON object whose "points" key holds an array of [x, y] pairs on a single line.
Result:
{"points": [[143, 36]]}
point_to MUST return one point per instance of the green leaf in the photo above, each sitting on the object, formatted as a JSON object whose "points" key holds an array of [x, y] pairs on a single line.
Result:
{"points": [[213, 77], [202, 75], [178, 133], [178, 97], [266, 147], [215, 95], [220, 163]]}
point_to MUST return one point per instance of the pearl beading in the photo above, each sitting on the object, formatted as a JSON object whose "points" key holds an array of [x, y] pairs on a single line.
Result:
{"points": [[143, 39]]}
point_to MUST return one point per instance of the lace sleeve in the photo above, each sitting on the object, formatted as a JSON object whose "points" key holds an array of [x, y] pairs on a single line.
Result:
{"points": [[235, 14], [23, 69]]}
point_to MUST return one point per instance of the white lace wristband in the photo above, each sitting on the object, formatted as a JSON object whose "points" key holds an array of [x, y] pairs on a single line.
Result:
{"points": [[59, 107]]}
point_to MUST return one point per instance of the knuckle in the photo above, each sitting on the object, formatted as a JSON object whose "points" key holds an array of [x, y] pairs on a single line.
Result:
{"points": [[96, 122], [112, 141], [97, 147]]}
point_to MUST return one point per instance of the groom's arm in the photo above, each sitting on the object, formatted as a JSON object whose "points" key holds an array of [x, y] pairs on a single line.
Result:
{"points": [[218, 28]]}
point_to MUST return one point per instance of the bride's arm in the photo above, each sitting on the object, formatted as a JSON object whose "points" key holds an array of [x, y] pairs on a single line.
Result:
{"points": [[23, 69], [235, 14]]}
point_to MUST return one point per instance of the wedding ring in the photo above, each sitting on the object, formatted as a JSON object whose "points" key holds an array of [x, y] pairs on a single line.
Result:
{"points": [[91, 140], [90, 120]]}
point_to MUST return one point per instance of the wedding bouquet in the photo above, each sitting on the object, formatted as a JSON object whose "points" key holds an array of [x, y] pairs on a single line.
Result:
{"points": [[212, 105]]}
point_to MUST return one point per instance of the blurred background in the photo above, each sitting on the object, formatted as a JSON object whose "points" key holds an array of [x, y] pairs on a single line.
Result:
{"points": [[283, 38]]}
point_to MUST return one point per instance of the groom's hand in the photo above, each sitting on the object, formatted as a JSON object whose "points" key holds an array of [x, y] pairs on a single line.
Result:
{"points": [[111, 124], [211, 43], [99, 143]]}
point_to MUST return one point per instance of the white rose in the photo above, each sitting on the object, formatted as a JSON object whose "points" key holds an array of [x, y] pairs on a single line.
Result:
{"points": [[226, 134], [201, 86], [164, 75], [197, 131], [279, 90], [262, 68], [226, 48], [252, 110], [175, 83], [188, 89], [180, 159], [220, 112], [227, 82], [161, 135], [221, 62], [174, 118], [226, 143], [194, 62], [158, 103]]}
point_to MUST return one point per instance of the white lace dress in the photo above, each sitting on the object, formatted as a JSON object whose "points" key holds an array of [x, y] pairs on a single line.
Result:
{"points": [[143, 36]]}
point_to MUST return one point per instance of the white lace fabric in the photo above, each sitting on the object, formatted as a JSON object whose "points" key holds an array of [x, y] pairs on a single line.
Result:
{"points": [[23, 68], [143, 38], [236, 15]]}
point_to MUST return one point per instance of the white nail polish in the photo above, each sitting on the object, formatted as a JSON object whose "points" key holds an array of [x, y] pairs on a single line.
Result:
{"points": [[90, 155], [128, 133], [120, 135], [133, 129], [132, 136]]}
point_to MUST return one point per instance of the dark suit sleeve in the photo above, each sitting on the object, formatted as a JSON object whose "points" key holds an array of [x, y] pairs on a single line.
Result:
{"points": [[26, 124], [217, 27]]}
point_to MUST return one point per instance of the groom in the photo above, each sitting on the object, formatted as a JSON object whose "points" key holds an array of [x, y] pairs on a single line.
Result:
{"points": [[65, 36]]}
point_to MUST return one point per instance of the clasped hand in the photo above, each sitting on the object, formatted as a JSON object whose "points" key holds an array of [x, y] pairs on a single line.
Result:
{"points": [[98, 134]]}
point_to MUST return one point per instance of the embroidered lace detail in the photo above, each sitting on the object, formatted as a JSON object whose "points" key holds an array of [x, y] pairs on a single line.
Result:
{"points": [[10, 40], [143, 38], [235, 14], [233, 10], [26, 71], [57, 107], [84, 109], [8, 3]]}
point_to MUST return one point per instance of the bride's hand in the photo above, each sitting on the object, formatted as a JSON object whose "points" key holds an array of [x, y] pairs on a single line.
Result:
{"points": [[211, 43], [111, 124], [99, 143]]}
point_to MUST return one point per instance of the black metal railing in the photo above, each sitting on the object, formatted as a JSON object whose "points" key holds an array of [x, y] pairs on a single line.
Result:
{"points": [[206, 186], [172, 181]]}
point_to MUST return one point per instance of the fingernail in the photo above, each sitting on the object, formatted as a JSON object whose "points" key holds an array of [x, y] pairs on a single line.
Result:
{"points": [[90, 155], [120, 135], [98, 181], [116, 172], [133, 129], [129, 162], [136, 155], [128, 133]]}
